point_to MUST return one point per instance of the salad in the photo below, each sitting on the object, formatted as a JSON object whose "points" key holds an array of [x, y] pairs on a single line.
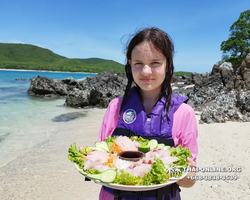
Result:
{"points": [[102, 161]]}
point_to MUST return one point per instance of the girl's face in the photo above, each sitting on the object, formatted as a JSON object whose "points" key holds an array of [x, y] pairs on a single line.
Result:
{"points": [[148, 67]]}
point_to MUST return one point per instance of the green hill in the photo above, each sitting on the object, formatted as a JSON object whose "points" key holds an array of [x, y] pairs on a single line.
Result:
{"points": [[30, 57]]}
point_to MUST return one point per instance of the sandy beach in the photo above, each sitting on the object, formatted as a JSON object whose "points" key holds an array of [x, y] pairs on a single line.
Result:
{"points": [[46, 173]]}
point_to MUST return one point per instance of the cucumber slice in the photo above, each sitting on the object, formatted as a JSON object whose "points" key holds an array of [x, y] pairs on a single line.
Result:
{"points": [[107, 176], [152, 144], [166, 147], [161, 145], [98, 145], [144, 148], [102, 145]]}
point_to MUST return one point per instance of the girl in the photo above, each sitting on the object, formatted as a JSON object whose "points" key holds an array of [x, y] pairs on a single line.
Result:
{"points": [[150, 109]]}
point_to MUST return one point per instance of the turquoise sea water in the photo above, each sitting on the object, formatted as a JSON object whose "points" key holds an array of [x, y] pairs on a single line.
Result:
{"points": [[25, 120]]}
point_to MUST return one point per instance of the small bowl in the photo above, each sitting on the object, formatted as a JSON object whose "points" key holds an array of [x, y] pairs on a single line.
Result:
{"points": [[133, 156]]}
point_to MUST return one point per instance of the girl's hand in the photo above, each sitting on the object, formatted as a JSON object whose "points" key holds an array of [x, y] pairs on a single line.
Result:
{"points": [[186, 182], [191, 163]]}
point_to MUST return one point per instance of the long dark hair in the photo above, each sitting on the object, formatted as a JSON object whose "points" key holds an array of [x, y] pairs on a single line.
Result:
{"points": [[163, 43]]}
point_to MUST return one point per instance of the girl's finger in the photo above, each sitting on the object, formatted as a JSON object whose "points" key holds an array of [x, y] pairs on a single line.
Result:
{"points": [[190, 162]]}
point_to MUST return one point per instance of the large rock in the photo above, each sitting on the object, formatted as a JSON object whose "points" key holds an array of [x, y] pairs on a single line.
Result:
{"points": [[224, 94], [206, 89], [97, 91], [196, 78], [228, 106], [245, 72], [47, 88], [227, 75]]}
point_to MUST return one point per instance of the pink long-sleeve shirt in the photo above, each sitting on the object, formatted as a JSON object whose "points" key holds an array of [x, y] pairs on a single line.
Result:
{"points": [[184, 130]]}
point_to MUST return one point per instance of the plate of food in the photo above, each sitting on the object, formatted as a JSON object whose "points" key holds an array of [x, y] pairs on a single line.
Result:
{"points": [[130, 164]]}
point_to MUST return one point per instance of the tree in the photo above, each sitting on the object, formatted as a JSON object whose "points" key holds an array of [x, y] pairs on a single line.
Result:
{"points": [[236, 48]]}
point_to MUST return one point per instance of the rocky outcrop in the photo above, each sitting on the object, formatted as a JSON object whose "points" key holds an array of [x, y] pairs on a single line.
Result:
{"points": [[223, 95], [208, 87], [245, 72], [231, 106], [48, 88], [97, 91]]}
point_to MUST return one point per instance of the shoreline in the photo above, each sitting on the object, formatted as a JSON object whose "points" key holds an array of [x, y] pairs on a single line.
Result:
{"points": [[27, 70]]}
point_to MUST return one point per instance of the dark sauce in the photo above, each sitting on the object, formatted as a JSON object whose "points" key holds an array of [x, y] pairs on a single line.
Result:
{"points": [[131, 155]]}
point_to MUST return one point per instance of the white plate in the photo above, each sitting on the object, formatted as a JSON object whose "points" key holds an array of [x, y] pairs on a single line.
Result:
{"points": [[136, 188]]}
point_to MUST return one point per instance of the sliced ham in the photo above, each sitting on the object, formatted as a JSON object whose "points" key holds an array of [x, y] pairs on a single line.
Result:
{"points": [[95, 159], [126, 143], [140, 170], [160, 153]]}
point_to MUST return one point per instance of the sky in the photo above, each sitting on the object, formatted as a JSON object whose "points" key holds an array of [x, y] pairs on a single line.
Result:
{"points": [[101, 28]]}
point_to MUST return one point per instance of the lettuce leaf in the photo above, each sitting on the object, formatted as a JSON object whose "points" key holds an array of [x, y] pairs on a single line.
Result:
{"points": [[110, 140], [93, 171], [182, 154], [157, 175], [86, 150], [76, 156], [139, 139], [125, 178]]}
